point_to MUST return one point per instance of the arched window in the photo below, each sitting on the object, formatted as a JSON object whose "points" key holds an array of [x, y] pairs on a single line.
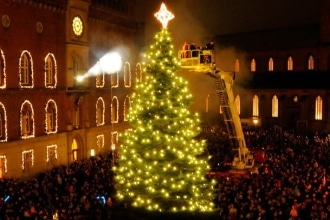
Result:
{"points": [[310, 62], [2, 70], [270, 64], [290, 63], [275, 106], [27, 120], [114, 110], [138, 72], [253, 65], [3, 123], [100, 109], [51, 117], [255, 110], [26, 70], [236, 66], [318, 108], [127, 74], [99, 75], [238, 104], [50, 71], [127, 107], [74, 150]]}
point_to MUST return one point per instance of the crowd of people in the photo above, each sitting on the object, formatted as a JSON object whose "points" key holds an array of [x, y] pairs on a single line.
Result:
{"points": [[293, 183], [83, 190]]}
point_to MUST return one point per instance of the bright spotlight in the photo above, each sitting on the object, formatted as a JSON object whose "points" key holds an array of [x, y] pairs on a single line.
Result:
{"points": [[95, 70], [80, 78], [111, 62]]}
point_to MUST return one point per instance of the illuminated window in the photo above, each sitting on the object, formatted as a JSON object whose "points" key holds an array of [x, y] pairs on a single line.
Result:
{"points": [[275, 106], [290, 63], [127, 107], [318, 108], [74, 150], [114, 110], [255, 106], [253, 65], [3, 165], [27, 160], [310, 63], [114, 79], [270, 64], [100, 111], [236, 65], [2, 70], [50, 71], [51, 117], [3, 123], [238, 104], [100, 80], [114, 137], [27, 120], [26, 70], [52, 155], [138, 72], [127, 75], [100, 142], [99, 77]]}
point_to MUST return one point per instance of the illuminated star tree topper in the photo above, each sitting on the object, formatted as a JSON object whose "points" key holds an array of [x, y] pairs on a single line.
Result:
{"points": [[163, 15]]}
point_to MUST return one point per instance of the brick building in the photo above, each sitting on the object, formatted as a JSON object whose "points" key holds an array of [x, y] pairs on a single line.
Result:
{"points": [[282, 74], [47, 116]]}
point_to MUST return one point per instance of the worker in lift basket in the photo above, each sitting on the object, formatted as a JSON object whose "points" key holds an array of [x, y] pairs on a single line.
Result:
{"points": [[185, 49]]}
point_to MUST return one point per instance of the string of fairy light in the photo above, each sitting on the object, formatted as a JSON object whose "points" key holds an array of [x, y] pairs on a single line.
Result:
{"points": [[145, 168]]}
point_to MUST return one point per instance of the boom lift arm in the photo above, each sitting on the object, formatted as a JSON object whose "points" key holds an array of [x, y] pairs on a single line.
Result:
{"points": [[224, 82], [204, 61]]}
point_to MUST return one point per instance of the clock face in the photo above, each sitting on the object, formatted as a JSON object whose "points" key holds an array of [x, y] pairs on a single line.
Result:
{"points": [[77, 26]]}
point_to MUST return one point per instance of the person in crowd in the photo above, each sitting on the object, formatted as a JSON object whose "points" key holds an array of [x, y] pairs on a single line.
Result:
{"points": [[185, 50], [292, 184]]}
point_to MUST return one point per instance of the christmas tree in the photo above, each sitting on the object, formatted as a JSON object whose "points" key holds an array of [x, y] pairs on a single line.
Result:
{"points": [[161, 165]]}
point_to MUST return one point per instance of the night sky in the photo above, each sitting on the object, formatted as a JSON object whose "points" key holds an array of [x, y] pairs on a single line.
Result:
{"points": [[197, 20]]}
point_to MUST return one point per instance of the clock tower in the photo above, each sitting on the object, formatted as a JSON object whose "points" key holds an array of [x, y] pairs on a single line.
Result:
{"points": [[77, 48]]}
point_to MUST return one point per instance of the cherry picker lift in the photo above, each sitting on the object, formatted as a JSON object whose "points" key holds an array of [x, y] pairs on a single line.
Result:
{"points": [[204, 61]]}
